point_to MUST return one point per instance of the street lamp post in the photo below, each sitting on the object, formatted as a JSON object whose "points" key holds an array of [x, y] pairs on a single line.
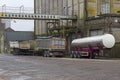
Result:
{"points": [[22, 8], [4, 8]]}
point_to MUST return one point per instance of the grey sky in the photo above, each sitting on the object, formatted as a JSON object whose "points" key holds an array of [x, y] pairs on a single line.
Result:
{"points": [[20, 25]]}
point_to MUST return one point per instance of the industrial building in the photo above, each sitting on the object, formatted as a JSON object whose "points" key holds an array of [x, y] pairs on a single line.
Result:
{"points": [[80, 8], [83, 9], [90, 21]]}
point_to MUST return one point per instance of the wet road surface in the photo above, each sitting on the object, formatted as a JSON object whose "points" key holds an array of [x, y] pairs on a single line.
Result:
{"points": [[40, 68]]}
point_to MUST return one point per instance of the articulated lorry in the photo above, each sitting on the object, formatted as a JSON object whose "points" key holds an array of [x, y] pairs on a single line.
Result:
{"points": [[90, 46], [44, 46], [20, 47]]}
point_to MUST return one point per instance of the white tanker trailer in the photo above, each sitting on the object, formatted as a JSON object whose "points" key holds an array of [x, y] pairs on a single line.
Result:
{"points": [[87, 47]]}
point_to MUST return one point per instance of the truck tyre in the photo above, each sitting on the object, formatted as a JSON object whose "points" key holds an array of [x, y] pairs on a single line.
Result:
{"points": [[15, 51], [48, 54], [93, 55], [71, 55], [74, 55], [44, 54], [78, 55]]}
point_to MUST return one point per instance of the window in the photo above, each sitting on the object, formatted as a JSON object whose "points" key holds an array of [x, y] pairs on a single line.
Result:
{"points": [[105, 6], [95, 32]]}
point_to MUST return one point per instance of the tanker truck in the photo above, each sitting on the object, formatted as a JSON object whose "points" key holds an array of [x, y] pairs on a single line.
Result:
{"points": [[90, 46]]}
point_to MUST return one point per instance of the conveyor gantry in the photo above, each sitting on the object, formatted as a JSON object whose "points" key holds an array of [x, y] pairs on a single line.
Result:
{"points": [[32, 16]]}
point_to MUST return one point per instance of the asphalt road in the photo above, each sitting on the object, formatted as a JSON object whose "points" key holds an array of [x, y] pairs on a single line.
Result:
{"points": [[40, 68]]}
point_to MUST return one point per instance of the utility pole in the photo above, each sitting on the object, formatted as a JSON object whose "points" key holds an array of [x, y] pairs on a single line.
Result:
{"points": [[35, 21], [85, 18], [85, 10], [78, 17], [72, 7]]}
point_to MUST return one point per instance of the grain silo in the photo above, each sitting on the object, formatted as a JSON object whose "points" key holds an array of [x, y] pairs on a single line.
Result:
{"points": [[47, 7], [80, 8]]}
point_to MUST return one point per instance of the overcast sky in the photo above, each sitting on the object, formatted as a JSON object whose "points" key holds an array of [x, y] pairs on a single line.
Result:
{"points": [[20, 25]]}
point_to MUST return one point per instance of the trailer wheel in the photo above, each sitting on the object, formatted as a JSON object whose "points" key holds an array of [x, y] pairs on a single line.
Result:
{"points": [[44, 54], [92, 55], [96, 54], [48, 54], [15, 51], [78, 55], [71, 55], [74, 55]]}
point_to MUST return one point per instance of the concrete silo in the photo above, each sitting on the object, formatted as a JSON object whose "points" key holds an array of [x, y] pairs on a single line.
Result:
{"points": [[47, 7]]}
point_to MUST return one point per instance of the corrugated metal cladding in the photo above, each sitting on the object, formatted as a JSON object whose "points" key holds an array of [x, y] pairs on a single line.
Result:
{"points": [[19, 35], [50, 6]]}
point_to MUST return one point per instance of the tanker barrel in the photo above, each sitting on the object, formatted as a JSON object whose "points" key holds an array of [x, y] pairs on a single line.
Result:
{"points": [[104, 41]]}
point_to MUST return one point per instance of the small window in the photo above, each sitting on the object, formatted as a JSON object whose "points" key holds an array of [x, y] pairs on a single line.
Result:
{"points": [[95, 32]]}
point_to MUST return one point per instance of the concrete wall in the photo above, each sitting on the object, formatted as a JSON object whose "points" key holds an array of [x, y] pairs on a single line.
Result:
{"points": [[2, 44], [2, 28], [115, 7]]}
